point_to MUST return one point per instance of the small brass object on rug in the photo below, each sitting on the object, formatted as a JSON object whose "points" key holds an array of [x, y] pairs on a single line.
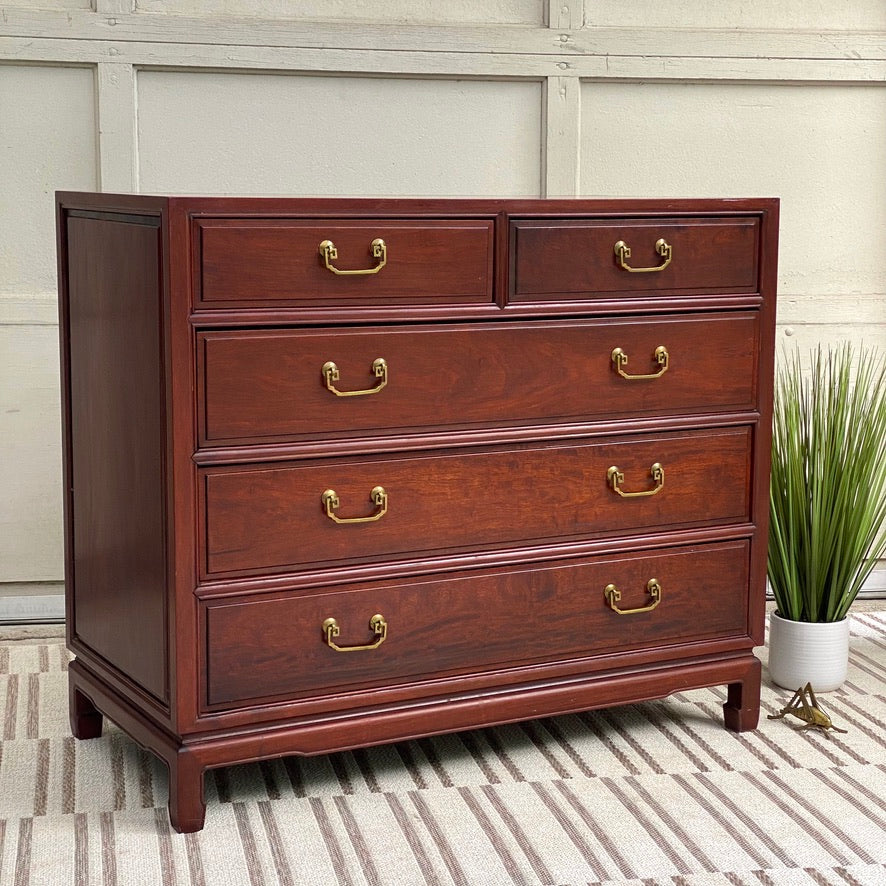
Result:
{"points": [[804, 706]]}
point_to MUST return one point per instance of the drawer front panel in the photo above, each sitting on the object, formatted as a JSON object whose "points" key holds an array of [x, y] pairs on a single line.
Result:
{"points": [[276, 646], [272, 262], [277, 520], [562, 260], [268, 386]]}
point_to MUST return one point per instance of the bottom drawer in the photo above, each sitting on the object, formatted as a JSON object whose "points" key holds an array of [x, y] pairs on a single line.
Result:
{"points": [[284, 646]]}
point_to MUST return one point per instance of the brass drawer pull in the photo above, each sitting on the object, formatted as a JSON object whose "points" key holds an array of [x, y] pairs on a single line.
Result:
{"points": [[331, 375], [616, 478], [377, 625], [662, 247], [660, 355], [613, 595], [377, 248], [379, 499]]}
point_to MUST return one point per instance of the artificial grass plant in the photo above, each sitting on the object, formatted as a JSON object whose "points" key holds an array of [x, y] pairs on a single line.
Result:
{"points": [[827, 491]]}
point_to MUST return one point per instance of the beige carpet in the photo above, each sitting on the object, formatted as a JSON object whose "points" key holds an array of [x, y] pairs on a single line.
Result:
{"points": [[657, 793]]}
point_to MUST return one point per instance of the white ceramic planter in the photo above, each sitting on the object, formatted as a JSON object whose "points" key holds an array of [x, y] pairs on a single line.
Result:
{"points": [[805, 652]]}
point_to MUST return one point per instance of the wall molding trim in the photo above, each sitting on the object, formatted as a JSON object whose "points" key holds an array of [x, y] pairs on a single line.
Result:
{"points": [[113, 27], [113, 35], [27, 309]]}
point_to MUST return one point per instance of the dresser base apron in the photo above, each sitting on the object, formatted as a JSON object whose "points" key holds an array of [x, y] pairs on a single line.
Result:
{"points": [[187, 759]]}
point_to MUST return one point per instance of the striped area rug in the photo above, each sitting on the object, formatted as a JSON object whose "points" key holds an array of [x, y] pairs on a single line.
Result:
{"points": [[656, 793]]}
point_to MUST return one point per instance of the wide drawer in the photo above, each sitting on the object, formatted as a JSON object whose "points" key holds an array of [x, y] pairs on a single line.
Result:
{"points": [[286, 518], [270, 386], [255, 262], [280, 645], [578, 259]]}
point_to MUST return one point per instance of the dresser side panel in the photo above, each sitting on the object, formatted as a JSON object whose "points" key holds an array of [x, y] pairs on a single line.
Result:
{"points": [[117, 566], [763, 435]]}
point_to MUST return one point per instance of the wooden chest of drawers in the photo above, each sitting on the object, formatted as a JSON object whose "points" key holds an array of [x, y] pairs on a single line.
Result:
{"points": [[344, 472]]}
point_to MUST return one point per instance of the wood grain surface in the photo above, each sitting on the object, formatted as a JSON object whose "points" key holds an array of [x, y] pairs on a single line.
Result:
{"points": [[201, 437]]}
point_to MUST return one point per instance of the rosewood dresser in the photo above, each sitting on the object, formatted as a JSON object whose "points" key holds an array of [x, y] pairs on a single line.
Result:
{"points": [[341, 472]]}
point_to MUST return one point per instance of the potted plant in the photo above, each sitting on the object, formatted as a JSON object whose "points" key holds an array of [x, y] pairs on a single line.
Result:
{"points": [[827, 507]]}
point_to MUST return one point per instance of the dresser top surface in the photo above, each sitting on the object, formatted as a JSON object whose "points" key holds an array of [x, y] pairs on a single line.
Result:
{"points": [[263, 205]]}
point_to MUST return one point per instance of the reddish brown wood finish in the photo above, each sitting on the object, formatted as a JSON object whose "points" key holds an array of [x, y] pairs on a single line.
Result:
{"points": [[267, 386], [273, 260], [273, 519], [742, 709], [275, 646], [117, 575], [576, 259], [86, 719], [198, 576]]}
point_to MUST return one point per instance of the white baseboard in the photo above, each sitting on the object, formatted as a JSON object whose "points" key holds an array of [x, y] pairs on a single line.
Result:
{"points": [[32, 609], [873, 589], [32, 602], [875, 586], [46, 604]]}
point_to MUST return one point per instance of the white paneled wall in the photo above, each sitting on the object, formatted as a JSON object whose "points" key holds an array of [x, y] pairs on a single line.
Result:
{"points": [[47, 136], [820, 148], [511, 12], [49, 4], [799, 15], [414, 97], [30, 471], [297, 134]]}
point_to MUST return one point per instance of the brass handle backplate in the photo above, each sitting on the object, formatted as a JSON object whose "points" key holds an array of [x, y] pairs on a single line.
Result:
{"points": [[379, 499], [623, 253], [616, 478], [660, 355], [613, 595], [331, 375], [377, 625], [330, 254]]}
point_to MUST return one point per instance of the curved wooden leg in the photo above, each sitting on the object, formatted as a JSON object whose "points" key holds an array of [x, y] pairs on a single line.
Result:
{"points": [[187, 809], [86, 719], [742, 709]]}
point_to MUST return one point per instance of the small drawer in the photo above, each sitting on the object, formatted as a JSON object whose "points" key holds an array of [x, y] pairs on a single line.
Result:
{"points": [[284, 646], [561, 260], [270, 386], [330, 262], [303, 515]]}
